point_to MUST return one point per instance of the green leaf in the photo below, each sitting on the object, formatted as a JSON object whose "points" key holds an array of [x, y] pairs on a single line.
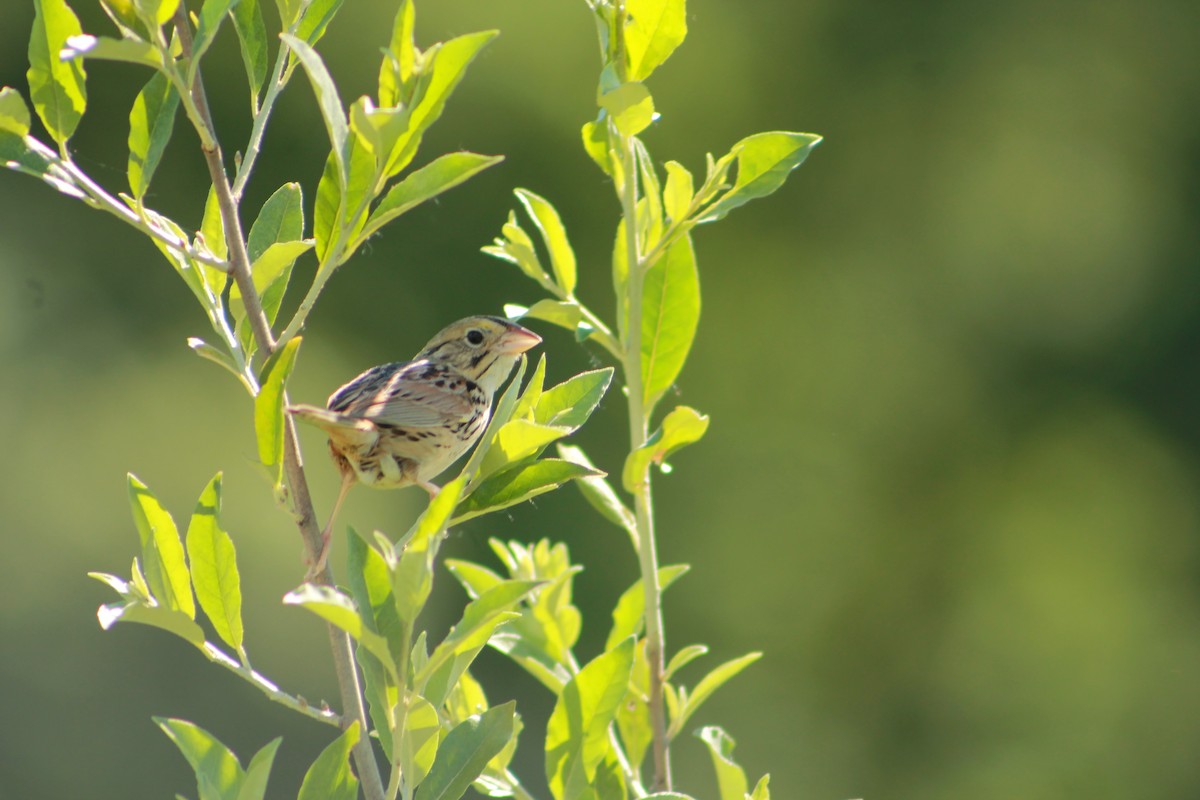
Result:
{"points": [[762, 790], [570, 403], [212, 14], [281, 219], [268, 408], [670, 315], [130, 51], [518, 484], [533, 389], [465, 752], [577, 733], [445, 68], [150, 124], [501, 414], [336, 608], [57, 88], [397, 68], [252, 39], [254, 785], [668, 796], [630, 106], [330, 777], [707, 685], [440, 175], [155, 12], [763, 163], [419, 740], [162, 552], [412, 579], [214, 566], [474, 579], [327, 99], [629, 613], [595, 144], [554, 235], [683, 426], [730, 778], [678, 194], [213, 229], [317, 17], [564, 313], [371, 587], [684, 657], [597, 491], [14, 114], [653, 29], [480, 619], [218, 773], [518, 440], [138, 610], [517, 248]]}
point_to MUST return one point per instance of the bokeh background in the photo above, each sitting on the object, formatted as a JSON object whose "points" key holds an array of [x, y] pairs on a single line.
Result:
{"points": [[951, 486]]}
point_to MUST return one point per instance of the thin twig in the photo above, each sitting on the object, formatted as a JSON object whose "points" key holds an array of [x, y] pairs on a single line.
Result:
{"points": [[347, 675], [220, 657], [259, 127]]}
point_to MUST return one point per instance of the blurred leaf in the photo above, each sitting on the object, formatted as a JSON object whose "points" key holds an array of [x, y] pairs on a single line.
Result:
{"points": [[216, 767], [336, 608], [630, 107], [707, 685], [214, 566], [330, 777], [533, 389], [210, 353], [763, 163], [419, 740], [465, 752], [501, 414], [252, 39], [130, 51], [565, 314], [577, 732], [554, 235], [684, 657], [327, 98], [272, 271], [288, 11], [570, 403], [57, 88], [441, 174], [14, 114], [597, 491], [317, 17], [254, 784], [668, 796], [412, 579], [595, 144], [762, 790], [677, 196], [135, 607], [445, 68], [629, 613], [269, 424], [212, 14], [213, 228], [397, 67], [683, 426], [155, 12], [474, 578], [730, 778], [517, 248], [480, 618], [518, 484], [633, 714], [670, 315], [653, 29], [650, 206], [150, 124], [162, 552]]}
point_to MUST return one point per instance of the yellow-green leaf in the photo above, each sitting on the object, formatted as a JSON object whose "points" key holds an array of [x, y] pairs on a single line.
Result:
{"points": [[14, 114], [670, 316], [150, 124], [56, 87], [653, 29], [683, 426], [214, 566], [554, 235], [268, 408], [162, 552]]}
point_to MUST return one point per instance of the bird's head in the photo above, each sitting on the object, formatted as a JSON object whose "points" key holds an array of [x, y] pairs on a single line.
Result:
{"points": [[482, 348]]}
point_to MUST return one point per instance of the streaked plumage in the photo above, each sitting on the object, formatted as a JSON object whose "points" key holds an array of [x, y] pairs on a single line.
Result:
{"points": [[404, 423]]}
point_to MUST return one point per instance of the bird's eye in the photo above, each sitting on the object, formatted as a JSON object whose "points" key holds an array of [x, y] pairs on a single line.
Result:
{"points": [[475, 337]]}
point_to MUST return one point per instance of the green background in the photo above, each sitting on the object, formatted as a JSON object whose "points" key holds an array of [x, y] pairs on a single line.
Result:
{"points": [[951, 483]]}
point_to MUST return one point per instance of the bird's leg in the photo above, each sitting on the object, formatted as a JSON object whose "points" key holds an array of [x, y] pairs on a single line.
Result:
{"points": [[318, 566], [429, 487]]}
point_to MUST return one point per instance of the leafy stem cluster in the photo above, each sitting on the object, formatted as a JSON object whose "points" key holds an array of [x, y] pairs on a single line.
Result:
{"points": [[406, 700]]}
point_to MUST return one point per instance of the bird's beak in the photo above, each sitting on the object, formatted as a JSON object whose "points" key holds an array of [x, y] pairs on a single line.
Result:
{"points": [[517, 340]]}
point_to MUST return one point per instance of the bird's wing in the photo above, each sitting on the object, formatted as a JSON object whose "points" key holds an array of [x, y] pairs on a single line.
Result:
{"points": [[416, 394]]}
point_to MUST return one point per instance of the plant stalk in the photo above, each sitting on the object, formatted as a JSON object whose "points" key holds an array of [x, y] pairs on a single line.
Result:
{"points": [[353, 709], [639, 424]]}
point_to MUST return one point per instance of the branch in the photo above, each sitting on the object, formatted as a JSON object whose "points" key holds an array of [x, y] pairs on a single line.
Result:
{"points": [[220, 657], [343, 659]]}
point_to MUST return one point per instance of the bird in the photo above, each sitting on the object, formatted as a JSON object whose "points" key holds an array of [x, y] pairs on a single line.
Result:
{"points": [[404, 423]]}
